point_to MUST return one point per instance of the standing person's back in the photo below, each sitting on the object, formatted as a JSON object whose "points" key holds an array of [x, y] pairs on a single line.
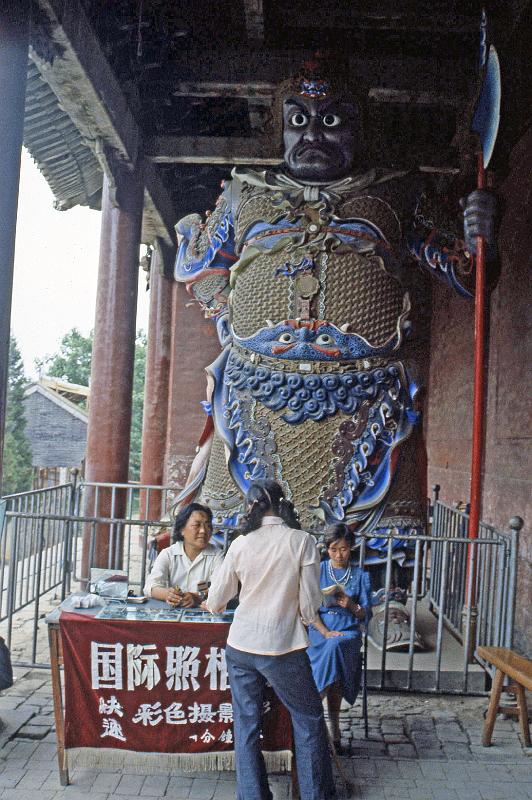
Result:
{"points": [[277, 568], [273, 600]]}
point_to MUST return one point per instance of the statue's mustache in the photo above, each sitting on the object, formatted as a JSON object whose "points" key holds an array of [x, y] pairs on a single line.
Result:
{"points": [[306, 147]]}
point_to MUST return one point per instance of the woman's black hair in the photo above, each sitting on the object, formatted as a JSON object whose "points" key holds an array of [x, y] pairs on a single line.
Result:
{"points": [[265, 495], [337, 532], [183, 516]]}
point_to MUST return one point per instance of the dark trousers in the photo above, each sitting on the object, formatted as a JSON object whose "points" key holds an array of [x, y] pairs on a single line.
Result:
{"points": [[291, 678]]}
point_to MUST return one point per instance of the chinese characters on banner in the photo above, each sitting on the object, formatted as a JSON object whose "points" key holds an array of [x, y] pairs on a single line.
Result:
{"points": [[153, 687]]}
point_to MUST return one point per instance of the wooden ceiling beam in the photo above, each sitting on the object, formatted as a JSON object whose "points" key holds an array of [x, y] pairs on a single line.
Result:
{"points": [[228, 151], [303, 15], [383, 94], [89, 92], [261, 94], [211, 150]]}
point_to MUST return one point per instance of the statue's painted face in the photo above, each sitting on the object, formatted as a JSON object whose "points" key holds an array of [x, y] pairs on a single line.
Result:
{"points": [[321, 137]]}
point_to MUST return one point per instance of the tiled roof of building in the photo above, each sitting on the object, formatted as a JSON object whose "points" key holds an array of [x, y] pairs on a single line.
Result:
{"points": [[66, 161]]}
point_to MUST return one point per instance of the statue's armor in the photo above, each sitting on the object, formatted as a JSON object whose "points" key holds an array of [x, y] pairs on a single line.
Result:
{"points": [[324, 337]]}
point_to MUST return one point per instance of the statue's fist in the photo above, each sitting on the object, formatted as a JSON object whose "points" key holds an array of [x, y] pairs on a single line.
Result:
{"points": [[185, 226], [480, 211]]}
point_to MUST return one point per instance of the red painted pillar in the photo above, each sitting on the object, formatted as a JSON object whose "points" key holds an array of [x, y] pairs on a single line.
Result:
{"points": [[14, 25], [156, 388], [113, 361], [194, 346]]}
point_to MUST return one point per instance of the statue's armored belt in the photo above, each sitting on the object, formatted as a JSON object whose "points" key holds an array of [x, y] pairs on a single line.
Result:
{"points": [[309, 367]]}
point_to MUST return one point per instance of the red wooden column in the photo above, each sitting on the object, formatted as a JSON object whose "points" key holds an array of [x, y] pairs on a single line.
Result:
{"points": [[194, 346], [14, 25], [156, 387], [113, 357]]}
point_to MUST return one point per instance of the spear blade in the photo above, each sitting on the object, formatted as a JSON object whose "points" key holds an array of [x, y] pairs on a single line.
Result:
{"points": [[487, 114]]}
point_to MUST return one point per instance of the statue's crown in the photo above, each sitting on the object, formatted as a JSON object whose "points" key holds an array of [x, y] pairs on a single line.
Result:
{"points": [[312, 82]]}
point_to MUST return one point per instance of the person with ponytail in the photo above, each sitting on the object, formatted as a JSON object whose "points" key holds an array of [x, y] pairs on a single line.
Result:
{"points": [[277, 566]]}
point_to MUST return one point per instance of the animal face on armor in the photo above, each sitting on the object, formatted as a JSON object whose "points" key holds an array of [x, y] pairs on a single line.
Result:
{"points": [[318, 340], [321, 137]]}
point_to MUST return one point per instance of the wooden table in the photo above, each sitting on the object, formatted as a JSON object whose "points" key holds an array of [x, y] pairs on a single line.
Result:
{"points": [[56, 662], [507, 664]]}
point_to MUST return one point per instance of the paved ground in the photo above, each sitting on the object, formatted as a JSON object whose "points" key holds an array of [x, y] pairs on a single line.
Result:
{"points": [[420, 748]]}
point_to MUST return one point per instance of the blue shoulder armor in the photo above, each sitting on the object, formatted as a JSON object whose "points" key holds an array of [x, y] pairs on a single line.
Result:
{"points": [[205, 247]]}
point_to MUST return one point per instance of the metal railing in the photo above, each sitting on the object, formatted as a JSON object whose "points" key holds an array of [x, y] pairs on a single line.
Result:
{"points": [[32, 552], [473, 581], [478, 612], [45, 537], [114, 512], [41, 535], [35, 531]]}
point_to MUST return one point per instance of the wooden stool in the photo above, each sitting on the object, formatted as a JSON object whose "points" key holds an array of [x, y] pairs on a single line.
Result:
{"points": [[519, 669]]}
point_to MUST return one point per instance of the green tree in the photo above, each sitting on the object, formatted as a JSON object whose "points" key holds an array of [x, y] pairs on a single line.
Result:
{"points": [[73, 363], [138, 406], [17, 452]]}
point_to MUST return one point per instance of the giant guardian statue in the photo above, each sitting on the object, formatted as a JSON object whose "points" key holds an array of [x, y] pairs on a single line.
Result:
{"points": [[317, 277]]}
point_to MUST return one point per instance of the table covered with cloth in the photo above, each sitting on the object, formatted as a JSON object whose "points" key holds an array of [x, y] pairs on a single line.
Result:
{"points": [[155, 687]]}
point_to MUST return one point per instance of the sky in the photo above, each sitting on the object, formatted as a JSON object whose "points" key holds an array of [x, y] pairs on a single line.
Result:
{"points": [[56, 268]]}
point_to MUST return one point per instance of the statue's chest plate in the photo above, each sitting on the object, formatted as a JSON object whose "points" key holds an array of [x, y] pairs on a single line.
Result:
{"points": [[265, 214], [319, 260]]}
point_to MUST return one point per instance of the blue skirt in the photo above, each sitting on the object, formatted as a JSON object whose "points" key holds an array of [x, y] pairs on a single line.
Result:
{"points": [[337, 660]]}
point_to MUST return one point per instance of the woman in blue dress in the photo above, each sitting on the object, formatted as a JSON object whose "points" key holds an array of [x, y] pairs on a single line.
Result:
{"points": [[335, 641]]}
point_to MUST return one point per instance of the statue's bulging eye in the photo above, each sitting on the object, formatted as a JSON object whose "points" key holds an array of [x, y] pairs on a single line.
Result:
{"points": [[298, 120], [325, 339], [286, 338], [331, 120]]}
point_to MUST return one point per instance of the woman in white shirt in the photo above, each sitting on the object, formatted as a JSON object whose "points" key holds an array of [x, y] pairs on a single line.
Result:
{"points": [[278, 569], [190, 561]]}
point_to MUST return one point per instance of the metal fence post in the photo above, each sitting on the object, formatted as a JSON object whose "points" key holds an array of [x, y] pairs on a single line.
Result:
{"points": [[441, 612], [37, 589], [515, 525], [3, 549], [11, 585], [413, 616], [67, 544], [387, 585]]}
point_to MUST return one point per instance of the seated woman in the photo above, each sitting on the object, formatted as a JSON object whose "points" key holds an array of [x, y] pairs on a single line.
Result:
{"points": [[190, 561], [335, 639]]}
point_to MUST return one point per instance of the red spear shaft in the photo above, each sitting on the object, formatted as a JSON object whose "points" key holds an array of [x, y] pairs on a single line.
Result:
{"points": [[485, 124], [478, 397]]}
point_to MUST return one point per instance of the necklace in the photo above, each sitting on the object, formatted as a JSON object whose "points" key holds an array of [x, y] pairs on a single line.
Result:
{"points": [[344, 579]]}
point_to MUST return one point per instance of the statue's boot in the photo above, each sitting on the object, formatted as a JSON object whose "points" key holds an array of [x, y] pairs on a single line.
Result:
{"points": [[398, 630]]}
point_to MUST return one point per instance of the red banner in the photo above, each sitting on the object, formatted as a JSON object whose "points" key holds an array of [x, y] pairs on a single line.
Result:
{"points": [[153, 687]]}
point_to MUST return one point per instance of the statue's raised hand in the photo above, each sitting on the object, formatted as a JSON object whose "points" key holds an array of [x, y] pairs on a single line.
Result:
{"points": [[480, 212]]}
